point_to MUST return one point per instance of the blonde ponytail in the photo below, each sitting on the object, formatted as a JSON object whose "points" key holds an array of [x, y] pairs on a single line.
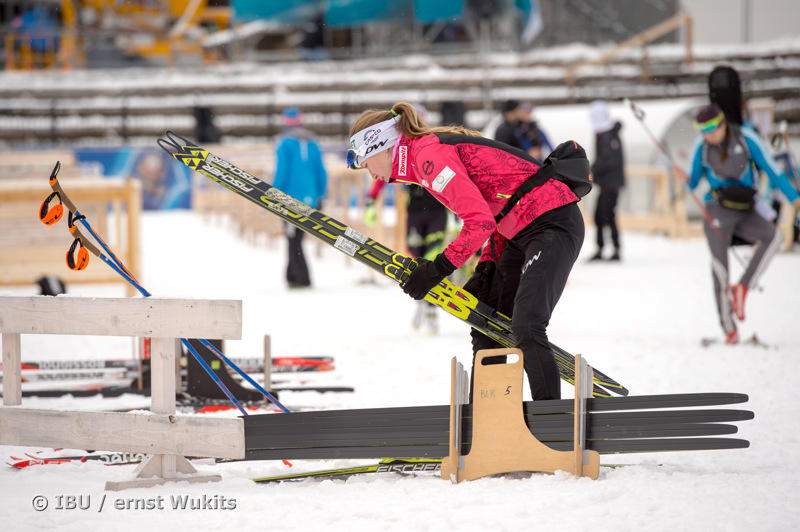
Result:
{"points": [[410, 124]]}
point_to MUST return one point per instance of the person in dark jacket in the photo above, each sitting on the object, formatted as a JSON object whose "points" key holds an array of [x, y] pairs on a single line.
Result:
{"points": [[535, 140], [300, 173], [520, 130], [508, 132], [608, 172]]}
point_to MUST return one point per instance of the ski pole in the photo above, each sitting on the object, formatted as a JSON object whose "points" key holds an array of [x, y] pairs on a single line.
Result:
{"points": [[638, 112], [125, 273], [203, 341], [50, 216], [119, 269]]}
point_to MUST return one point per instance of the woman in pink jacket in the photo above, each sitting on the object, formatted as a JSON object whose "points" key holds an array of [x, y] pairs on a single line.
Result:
{"points": [[524, 208]]}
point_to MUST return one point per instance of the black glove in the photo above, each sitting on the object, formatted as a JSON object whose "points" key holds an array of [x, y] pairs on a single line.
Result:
{"points": [[480, 284], [426, 275]]}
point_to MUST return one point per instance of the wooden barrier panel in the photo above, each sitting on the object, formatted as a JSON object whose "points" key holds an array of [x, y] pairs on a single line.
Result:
{"points": [[173, 318], [124, 432], [168, 438], [22, 164], [33, 249]]}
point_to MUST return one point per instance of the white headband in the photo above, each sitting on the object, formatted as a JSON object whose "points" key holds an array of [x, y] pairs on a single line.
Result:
{"points": [[372, 140]]}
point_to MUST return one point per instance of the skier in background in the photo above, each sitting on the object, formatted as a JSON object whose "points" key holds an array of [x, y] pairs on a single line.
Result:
{"points": [[299, 172], [727, 156], [608, 173], [527, 210]]}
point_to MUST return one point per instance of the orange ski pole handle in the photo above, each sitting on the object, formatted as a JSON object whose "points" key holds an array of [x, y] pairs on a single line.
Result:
{"points": [[51, 215], [80, 261]]}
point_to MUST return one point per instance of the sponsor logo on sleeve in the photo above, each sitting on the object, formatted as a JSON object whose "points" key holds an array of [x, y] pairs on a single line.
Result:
{"points": [[442, 179], [402, 163], [427, 167]]}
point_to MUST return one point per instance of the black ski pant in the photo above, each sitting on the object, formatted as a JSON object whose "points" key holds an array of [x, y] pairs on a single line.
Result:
{"points": [[605, 215], [296, 269], [426, 231], [531, 275]]}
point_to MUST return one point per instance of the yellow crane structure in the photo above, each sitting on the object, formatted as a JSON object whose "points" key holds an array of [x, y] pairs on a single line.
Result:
{"points": [[152, 29]]}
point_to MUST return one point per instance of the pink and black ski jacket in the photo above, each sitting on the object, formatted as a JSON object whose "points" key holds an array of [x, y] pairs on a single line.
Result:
{"points": [[474, 177]]}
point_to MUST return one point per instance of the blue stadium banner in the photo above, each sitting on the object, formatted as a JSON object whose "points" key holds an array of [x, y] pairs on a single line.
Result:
{"points": [[344, 13], [286, 11], [428, 11]]}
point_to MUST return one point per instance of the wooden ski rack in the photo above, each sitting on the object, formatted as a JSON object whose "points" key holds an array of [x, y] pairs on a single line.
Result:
{"points": [[501, 441]]}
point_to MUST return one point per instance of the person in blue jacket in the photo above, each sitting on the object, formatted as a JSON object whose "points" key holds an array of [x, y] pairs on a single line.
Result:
{"points": [[729, 157], [299, 172]]}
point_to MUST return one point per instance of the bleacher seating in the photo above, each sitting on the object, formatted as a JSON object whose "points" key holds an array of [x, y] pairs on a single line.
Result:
{"points": [[139, 104]]}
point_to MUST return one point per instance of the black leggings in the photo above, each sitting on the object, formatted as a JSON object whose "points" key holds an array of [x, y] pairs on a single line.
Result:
{"points": [[296, 268], [530, 278], [605, 215]]}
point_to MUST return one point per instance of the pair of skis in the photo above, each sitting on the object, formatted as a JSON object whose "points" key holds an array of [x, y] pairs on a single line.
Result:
{"points": [[655, 423], [453, 299]]}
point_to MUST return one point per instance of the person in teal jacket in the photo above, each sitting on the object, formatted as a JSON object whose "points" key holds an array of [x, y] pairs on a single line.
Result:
{"points": [[299, 172], [729, 158]]}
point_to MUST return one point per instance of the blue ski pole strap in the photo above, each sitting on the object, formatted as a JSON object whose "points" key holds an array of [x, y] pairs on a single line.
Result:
{"points": [[245, 376], [213, 376]]}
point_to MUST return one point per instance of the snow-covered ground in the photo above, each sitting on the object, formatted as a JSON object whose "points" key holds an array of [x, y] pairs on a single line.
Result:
{"points": [[640, 321]]}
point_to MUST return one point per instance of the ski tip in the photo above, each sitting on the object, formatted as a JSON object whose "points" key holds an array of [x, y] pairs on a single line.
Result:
{"points": [[168, 146]]}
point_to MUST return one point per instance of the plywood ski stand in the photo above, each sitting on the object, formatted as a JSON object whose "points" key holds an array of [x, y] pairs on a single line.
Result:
{"points": [[501, 441]]}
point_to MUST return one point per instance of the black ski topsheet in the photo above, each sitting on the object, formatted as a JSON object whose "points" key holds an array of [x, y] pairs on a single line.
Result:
{"points": [[658, 421], [375, 255]]}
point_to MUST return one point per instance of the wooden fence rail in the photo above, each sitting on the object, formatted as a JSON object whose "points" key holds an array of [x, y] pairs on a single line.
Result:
{"points": [[166, 437]]}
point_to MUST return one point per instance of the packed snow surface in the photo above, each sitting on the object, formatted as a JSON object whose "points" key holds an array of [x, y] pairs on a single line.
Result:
{"points": [[640, 321]]}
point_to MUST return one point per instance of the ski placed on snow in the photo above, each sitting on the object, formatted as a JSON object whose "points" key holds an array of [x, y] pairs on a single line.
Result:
{"points": [[454, 300], [104, 458], [403, 466], [411, 467], [280, 364]]}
